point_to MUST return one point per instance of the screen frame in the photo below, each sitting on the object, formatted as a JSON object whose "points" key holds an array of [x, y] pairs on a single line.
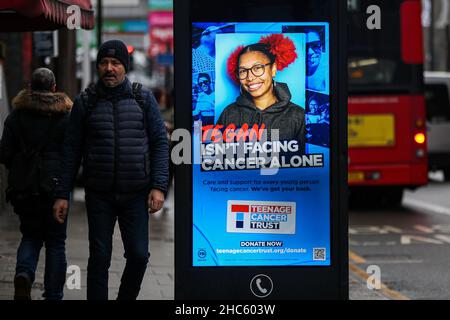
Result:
{"points": [[316, 281]]}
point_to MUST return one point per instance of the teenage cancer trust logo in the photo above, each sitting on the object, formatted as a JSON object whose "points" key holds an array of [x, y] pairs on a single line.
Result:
{"points": [[261, 217]]}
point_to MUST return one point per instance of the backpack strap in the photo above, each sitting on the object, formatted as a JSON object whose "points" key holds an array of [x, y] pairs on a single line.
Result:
{"points": [[137, 95], [90, 97]]}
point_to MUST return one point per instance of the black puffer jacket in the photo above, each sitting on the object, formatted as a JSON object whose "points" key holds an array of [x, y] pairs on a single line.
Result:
{"points": [[31, 118], [284, 115], [124, 148]]}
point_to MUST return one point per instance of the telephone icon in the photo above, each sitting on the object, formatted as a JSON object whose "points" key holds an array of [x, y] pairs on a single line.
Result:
{"points": [[260, 288]]}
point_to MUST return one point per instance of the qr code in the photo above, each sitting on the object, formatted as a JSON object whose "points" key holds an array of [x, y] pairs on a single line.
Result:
{"points": [[319, 254]]}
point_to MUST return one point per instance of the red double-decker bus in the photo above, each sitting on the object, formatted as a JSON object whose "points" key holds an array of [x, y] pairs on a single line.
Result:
{"points": [[387, 134]]}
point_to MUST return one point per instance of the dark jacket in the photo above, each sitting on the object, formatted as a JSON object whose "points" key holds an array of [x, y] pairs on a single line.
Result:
{"points": [[36, 115], [122, 153], [284, 115]]}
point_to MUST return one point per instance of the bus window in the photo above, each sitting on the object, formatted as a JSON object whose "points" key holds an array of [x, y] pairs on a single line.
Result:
{"points": [[437, 103], [375, 56]]}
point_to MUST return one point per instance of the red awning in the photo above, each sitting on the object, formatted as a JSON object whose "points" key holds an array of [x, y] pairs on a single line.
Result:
{"points": [[39, 15]]}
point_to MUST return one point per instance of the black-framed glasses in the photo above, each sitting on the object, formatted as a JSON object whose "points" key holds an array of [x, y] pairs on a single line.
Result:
{"points": [[316, 46], [257, 70], [204, 83]]}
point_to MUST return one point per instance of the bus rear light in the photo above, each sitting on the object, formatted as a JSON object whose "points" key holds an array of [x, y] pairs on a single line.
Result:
{"points": [[420, 153], [420, 123], [372, 175], [375, 175], [419, 138]]}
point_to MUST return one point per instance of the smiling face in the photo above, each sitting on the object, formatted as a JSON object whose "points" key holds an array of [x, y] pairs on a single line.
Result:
{"points": [[111, 72], [313, 106], [204, 84], [257, 86], [314, 52]]}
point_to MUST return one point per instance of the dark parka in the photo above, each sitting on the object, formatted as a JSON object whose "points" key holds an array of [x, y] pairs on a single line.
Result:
{"points": [[38, 117], [123, 147], [284, 115]]}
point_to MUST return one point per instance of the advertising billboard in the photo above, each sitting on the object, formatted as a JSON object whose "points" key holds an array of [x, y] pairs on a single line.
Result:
{"points": [[261, 144]]}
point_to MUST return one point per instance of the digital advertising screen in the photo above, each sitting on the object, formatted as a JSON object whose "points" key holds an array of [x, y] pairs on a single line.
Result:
{"points": [[261, 144]]}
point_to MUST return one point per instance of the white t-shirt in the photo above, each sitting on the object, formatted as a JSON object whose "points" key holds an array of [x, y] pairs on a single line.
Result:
{"points": [[205, 105]]}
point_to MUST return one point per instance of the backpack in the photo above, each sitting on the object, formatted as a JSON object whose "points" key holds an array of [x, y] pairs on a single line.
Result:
{"points": [[26, 181], [89, 97]]}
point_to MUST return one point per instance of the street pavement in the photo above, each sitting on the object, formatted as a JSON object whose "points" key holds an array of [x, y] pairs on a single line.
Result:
{"points": [[158, 283], [409, 245], [159, 278]]}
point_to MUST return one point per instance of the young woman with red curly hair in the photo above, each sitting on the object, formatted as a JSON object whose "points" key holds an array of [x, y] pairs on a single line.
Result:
{"points": [[263, 101]]}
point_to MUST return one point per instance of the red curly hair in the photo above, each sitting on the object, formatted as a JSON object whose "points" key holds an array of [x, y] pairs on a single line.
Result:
{"points": [[280, 50]]}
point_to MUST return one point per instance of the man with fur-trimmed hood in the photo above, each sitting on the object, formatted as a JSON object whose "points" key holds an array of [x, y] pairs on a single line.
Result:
{"points": [[30, 149]]}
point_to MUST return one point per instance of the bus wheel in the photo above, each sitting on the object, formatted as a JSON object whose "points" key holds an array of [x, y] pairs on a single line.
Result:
{"points": [[393, 197], [446, 174]]}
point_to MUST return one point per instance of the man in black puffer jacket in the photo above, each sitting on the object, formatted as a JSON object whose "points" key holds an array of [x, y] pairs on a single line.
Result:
{"points": [[31, 149], [120, 137]]}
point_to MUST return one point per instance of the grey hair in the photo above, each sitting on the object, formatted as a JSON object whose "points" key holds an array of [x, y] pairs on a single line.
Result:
{"points": [[42, 79]]}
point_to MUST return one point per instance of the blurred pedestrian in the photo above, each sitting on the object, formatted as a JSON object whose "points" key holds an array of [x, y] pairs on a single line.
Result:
{"points": [[31, 149], [117, 130]]}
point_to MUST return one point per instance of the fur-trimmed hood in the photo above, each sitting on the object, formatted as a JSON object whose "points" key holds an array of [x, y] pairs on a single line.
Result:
{"points": [[42, 102]]}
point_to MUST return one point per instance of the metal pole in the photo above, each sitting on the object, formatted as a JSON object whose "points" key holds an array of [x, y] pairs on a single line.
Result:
{"points": [[86, 70], [431, 37], [66, 64], [167, 73], [99, 22]]}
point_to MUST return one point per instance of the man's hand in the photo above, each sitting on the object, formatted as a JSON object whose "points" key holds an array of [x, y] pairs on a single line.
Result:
{"points": [[155, 200], [60, 209]]}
